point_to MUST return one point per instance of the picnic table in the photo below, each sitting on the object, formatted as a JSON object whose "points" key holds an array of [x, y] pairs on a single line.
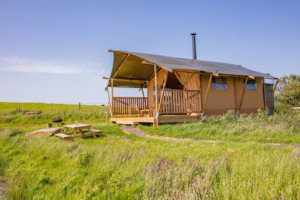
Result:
{"points": [[78, 130]]}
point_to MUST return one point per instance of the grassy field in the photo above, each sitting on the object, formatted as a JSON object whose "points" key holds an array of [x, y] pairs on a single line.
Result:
{"points": [[121, 166], [70, 114]]}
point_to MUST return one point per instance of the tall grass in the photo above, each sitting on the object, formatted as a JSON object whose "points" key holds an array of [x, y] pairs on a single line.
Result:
{"points": [[281, 127], [120, 166]]}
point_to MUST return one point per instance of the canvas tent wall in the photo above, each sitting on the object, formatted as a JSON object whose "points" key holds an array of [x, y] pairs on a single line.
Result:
{"points": [[219, 101], [136, 70]]}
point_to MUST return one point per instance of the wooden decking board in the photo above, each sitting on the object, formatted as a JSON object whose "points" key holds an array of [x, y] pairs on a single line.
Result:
{"points": [[162, 119], [135, 119], [127, 122]]}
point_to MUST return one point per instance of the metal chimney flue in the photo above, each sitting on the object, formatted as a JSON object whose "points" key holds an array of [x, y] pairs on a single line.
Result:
{"points": [[194, 45]]}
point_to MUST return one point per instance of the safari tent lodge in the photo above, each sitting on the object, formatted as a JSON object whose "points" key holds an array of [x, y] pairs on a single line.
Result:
{"points": [[183, 90]]}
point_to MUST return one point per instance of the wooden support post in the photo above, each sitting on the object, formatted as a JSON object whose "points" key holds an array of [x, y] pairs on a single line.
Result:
{"points": [[50, 106], [156, 97], [156, 93], [201, 103], [109, 102], [264, 94], [162, 93], [271, 99], [242, 97], [112, 96], [19, 107], [206, 95], [79, 106], [234, 89], [143, 92]]}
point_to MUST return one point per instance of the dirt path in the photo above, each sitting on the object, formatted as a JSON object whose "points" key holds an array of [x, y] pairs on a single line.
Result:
{"points": [[3, 187], [138, 132]]}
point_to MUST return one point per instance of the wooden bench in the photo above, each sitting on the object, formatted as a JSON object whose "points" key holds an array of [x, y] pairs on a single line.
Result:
{"points": [[67, 137], [63, 136], [97, 132]]}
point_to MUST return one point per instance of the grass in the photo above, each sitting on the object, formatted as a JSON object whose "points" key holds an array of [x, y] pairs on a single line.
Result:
{"points": [[121, 166], [280, 127]]}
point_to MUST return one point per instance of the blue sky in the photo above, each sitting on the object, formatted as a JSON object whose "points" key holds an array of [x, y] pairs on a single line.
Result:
{"points": [[56, 51]]}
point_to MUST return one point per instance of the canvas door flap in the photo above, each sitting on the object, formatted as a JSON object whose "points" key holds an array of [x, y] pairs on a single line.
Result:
{"points": [[190, 81]]}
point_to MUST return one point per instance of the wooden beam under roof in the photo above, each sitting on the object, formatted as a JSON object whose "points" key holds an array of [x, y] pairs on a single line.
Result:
{"points": [[147, 62], [125, 79], [121, 65]]}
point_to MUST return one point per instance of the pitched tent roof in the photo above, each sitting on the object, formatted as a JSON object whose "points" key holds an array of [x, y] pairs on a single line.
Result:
{"points": [[134, 68]]}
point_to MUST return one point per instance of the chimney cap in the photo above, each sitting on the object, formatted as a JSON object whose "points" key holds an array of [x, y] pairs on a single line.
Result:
{"points": [[193, 33]]}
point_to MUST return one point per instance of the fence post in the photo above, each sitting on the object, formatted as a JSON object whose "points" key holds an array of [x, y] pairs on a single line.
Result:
{"points": [[19, 107], [106, 113], [50, 106], [79, 105]]}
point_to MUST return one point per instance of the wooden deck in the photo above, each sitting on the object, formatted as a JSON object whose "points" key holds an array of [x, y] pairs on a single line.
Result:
{"points": [[163, 119]]}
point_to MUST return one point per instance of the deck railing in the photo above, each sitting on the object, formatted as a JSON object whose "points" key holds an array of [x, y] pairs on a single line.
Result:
{"points": [[174, 101], [177, 101], [129, 105]]}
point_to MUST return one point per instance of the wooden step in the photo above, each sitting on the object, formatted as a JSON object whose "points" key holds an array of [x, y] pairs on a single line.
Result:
{"points": [[127, 122]]}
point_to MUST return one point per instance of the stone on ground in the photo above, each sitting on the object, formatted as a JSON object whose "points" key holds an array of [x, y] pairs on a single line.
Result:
{"points": [[44, 132]]}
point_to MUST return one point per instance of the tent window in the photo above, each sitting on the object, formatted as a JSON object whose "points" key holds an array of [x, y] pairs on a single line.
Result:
{"points": [[219, 84], [251, 85]]}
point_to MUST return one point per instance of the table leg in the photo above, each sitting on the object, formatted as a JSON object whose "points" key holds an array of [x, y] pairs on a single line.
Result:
{"points": [[75, 131], [81, 131], [90, 131], [66, 130]]}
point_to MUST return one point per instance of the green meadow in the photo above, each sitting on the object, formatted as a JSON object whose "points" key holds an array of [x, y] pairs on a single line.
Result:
{"points": [[121, 166]]}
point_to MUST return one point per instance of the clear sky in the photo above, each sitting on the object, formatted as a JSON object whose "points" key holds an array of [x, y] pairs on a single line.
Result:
{"points": [[56, 51]]}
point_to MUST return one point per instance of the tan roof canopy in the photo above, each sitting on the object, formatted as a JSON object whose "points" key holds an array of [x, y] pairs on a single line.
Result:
{"points": [[131, 66]]}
